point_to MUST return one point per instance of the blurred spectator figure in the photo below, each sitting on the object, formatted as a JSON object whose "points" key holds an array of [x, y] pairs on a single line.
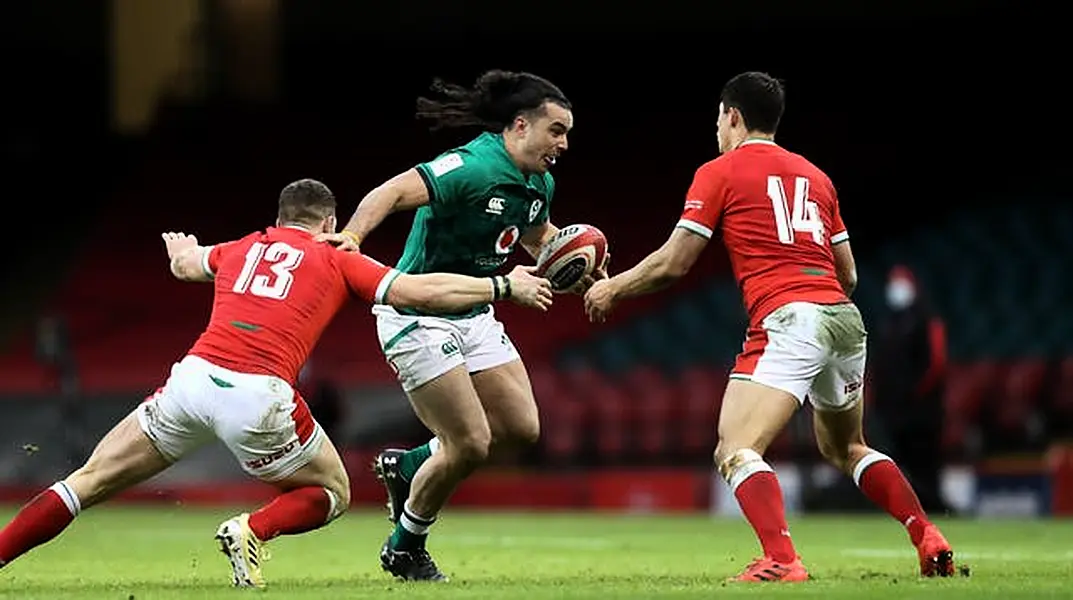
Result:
{"points": [[908, 363], [325, 402], [53, 350]]}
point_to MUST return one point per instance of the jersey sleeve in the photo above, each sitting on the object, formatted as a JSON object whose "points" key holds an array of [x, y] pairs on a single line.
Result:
{"points": [[838, 228], [210, 259], [366, 278], [453, 179], [704, 202]]}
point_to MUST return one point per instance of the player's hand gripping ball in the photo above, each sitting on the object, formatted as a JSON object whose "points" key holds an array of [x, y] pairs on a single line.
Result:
{"points": [[572, 254]]}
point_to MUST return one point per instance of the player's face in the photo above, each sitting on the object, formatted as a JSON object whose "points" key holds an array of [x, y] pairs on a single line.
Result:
{"points": [[544, 137]]}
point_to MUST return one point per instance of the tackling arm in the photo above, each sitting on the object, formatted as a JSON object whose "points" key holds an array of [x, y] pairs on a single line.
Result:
{"points": [[405, 191], [663, 267], [441, 292]]}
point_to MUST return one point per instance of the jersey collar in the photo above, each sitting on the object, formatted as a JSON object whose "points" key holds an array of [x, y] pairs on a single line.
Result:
{"points": [[501, 147], [759, 141], [297, 228]]}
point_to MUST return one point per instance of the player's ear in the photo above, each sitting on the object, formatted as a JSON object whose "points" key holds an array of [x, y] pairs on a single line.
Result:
{"points": [[520, 125], [735, 117]]}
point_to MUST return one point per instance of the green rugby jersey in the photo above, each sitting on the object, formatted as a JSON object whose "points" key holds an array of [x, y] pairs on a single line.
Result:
{"points": [[480, 204]]}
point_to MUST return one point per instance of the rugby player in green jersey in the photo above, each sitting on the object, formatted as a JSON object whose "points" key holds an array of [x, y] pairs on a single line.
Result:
{"points": [[461, 372]]}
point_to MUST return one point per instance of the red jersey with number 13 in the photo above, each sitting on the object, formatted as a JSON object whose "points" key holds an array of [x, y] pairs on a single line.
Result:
{"points": [[275, 293], [779, 215]]}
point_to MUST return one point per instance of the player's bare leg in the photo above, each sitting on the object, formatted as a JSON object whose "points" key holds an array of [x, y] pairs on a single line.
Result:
{"points": [[124, 457], [513, 418], [310, 498], [450, 408], [511, 408], [840, 438], [751, 417]]}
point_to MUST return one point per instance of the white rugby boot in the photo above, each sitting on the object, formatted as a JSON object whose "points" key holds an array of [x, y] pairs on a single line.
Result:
{"points": [[244, 550]]}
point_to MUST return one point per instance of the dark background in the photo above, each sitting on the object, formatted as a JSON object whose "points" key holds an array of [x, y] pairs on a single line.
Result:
{"points": [[935, 120]]}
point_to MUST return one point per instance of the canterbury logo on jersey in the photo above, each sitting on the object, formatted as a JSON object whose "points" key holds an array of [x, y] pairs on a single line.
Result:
{"points": [[495, 206], [694, 204]]}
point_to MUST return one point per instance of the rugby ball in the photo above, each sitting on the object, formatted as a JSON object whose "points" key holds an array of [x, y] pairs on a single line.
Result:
{"points": [[574, 252]]}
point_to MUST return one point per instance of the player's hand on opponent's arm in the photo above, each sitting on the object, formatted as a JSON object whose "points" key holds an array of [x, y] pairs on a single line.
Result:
{"points": [[529, 290], [600, 300], [346, 241]]}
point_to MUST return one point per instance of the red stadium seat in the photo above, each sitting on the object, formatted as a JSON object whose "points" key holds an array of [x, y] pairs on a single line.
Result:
{"points": [[1021, 395], [967, 386], [653, 401], [701, 392]]}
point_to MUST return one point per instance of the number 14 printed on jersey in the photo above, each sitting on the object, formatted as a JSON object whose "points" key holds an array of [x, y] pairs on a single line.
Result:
{"points": [[805, 216]]}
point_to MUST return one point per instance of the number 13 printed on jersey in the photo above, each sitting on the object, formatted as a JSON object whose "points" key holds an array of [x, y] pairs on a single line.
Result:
{"points": [[805, 216], [282, 260]]}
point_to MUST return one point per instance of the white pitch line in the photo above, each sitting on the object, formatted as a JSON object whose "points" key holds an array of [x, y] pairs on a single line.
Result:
{"points": [[1010, 556]]}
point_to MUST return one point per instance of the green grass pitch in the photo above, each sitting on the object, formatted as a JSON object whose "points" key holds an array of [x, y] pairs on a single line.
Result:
{"points": [[144, 553]]}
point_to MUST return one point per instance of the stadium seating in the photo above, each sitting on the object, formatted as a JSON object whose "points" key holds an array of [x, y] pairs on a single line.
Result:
{"points": [[997, 279], [645, 385]]}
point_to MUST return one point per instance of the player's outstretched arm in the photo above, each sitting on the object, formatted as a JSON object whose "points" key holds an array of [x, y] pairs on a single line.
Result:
{"points": [[658, 270], [405, 191], [447, 292], [187, 258], [663, 267]]}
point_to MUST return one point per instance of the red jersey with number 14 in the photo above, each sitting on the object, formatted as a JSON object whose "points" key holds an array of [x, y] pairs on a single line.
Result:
{"points": [[779, 215], [275, 294]]}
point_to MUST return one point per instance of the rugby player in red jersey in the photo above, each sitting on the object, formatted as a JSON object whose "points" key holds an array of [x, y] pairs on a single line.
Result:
{"points": [[275, 292], [790, 253]]}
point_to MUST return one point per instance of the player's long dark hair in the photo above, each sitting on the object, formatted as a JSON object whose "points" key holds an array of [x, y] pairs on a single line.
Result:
{"points": [[492, 103]]}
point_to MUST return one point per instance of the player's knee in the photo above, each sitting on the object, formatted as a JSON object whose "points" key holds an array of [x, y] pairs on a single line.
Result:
{"points": [[529, 433], [338, 500], [468, 451], [340, 489], [732, 443], [521, 432]]}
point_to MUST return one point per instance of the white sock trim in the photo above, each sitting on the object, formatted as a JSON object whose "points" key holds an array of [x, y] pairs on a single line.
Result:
{"points": [[414, 523], [868, 460], [70, 499], [334, 509], [749, 463], [434, 445]]}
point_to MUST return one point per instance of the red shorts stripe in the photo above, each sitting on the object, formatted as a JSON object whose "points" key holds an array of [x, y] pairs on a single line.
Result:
{"points": [[755, 342], [304, 425]]}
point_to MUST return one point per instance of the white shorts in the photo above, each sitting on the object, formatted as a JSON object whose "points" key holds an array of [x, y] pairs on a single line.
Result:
{"points": [[260, 418], [420, 349], [809, 350]]}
